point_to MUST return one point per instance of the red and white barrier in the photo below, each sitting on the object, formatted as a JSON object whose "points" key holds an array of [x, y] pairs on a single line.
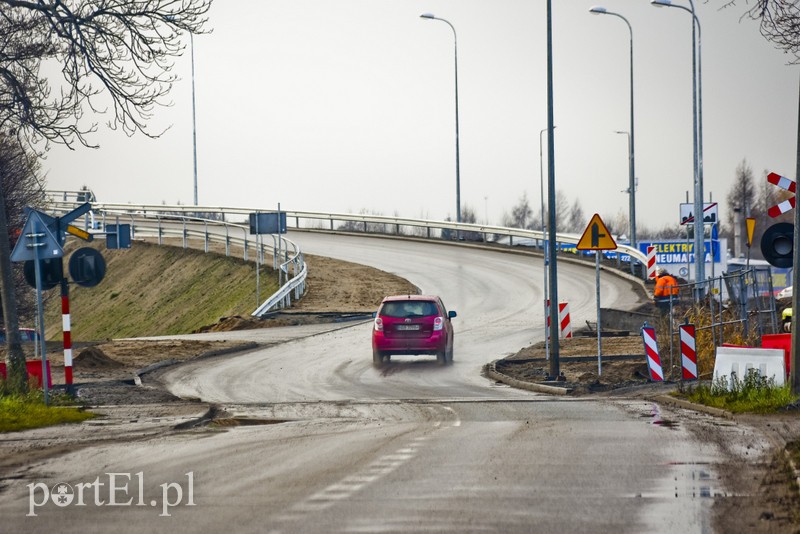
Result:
{"points": [[651, 351], [565, 327], [564, 323], [688, 351], [651, 262]]}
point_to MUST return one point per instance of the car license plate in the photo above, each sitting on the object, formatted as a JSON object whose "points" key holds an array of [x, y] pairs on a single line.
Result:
{"points": [[408, 327]]}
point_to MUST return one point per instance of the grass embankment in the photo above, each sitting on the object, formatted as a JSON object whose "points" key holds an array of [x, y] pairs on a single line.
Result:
{"points": [[22, 412], [149, 290], [152, 290]]}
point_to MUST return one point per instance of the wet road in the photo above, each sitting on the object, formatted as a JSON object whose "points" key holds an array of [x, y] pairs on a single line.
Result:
{"points": [[339, 446]]}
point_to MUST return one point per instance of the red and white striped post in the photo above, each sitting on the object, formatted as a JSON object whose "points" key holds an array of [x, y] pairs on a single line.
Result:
{"points": [[65, 322], [688, 351], [651, 351], [565, 326], [651, 262]]}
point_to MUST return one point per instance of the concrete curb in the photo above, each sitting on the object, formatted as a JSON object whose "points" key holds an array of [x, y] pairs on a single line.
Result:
{"points": [[490, 371], [681, 403], [137, 375]]}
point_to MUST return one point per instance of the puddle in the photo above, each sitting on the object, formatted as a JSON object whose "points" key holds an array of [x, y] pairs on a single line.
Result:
{"points": [[655, 415], [666, 423]]}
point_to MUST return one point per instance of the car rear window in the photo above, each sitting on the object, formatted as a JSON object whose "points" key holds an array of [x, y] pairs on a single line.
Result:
{"points": [[409, 308]]}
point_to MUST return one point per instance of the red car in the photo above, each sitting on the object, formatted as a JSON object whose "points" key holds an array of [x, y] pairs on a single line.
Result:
{"points": [[412, 324]]}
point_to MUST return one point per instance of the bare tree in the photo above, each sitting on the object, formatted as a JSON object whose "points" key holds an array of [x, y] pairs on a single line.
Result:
{"points": [[741, 199], [116, 59], [577, 220], [617, 225], [470, 216], [521, 214], [20, 188], [562, 211], [779, 22]]}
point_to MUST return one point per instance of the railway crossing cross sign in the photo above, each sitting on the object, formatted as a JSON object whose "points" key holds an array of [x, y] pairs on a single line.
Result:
{"points": [[787, 185]]}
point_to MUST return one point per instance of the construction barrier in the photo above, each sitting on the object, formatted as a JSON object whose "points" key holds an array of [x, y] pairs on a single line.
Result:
{"points": [[563, 318], [651, 351], [779, 341], [651, 262], [34, 372], [734, 363], [688, 351], [564, 323]]}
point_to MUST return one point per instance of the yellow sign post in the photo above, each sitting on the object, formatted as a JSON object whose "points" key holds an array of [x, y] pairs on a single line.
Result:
{"points": [[597, 237], [751, 226]]}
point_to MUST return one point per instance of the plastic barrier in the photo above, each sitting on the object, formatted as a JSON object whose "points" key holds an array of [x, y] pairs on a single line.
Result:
{"points": [[736, 362], [34, 371], [779, 341]]}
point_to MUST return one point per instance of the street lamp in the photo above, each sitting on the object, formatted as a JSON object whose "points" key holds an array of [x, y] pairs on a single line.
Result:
{"points": [[628, 135], [194, 122], [697, 104], [544, 246], [430, 16], [598, 10]]}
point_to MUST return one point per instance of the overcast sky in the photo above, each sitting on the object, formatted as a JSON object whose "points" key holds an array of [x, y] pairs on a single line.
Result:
{"points": [[349, 105]]}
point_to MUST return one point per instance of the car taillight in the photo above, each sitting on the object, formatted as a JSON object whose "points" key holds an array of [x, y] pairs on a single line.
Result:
{"points": [[378, 324], [438, 323]]}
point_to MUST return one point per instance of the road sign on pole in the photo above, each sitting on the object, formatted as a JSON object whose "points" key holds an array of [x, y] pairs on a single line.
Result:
{"points": [[710, 213], [787, 185], [37, 240], [596, 236]]}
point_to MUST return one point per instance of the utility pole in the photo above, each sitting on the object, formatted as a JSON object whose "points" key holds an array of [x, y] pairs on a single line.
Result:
{"points": [[794, 372]]}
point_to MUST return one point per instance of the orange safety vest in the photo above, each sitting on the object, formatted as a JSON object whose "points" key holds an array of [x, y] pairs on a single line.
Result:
{"points": [[666, 285]]}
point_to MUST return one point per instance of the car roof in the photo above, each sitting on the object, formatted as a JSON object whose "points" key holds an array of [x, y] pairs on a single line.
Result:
{"points": [[393, 298]]}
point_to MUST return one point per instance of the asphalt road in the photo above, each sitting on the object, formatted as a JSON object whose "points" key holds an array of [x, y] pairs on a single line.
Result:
{"points": [[344, 447]]}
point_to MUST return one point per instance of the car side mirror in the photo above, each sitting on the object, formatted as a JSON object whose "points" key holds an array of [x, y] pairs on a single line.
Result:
{"points": [[452, 314]]}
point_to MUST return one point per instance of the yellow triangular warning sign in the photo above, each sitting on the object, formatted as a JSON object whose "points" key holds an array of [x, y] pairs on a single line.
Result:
{"points": [[596, 236], [751, 226]]}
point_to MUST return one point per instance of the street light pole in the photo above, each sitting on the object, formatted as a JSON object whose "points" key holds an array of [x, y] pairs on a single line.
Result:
{"points": [[631, 230], [697, 113], [194, 122], [544, 246], [430, 16], [597, 10], [555, 364]]}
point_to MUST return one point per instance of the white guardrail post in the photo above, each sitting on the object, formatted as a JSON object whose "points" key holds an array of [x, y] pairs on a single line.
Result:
{"points": [[159, 221]]}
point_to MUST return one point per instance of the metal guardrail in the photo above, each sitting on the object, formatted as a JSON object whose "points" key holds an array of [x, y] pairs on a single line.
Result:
{"points": [[368, 224], [291, 267], [181, 220]]}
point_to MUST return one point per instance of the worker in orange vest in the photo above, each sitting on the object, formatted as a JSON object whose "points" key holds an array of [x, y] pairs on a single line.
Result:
{"points": [[666, 287]]}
